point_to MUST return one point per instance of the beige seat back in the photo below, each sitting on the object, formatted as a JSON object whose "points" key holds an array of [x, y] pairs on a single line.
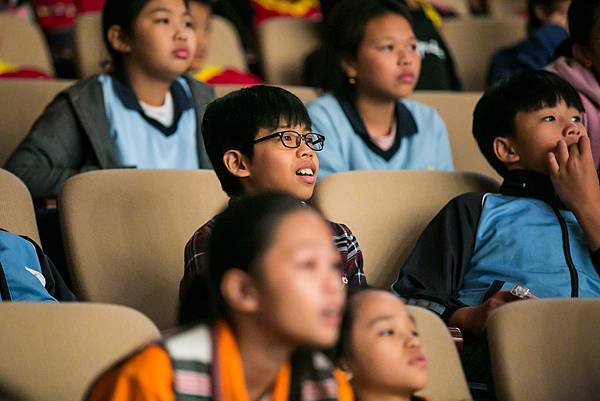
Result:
{"points": [[284, 43], [125, 233], [305, 93], [226, 47], [447, 380], [22, 101], [507, 8], [16, 207], [23, 43], [456, 109], [54, 351], [388, 210], [460, 7], [473, 41], [90, 51], [546, 350]]}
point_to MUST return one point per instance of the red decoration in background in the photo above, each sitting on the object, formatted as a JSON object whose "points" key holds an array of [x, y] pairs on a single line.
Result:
{"points": [[61, 14]]}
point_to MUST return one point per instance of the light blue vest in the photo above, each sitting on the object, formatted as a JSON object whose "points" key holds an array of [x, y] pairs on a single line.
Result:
{"points": [[422, 134], [509, 248], [145, 143]]}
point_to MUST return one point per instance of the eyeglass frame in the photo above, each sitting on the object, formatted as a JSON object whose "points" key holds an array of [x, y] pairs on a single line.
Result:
{"points": [[301, 136]]}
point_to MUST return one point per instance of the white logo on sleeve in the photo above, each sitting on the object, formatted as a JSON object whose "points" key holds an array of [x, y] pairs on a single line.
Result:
{"points": [[37, 275]]}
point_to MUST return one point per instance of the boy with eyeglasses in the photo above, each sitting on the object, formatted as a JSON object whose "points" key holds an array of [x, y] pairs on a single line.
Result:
{"points": [[258, 139]]}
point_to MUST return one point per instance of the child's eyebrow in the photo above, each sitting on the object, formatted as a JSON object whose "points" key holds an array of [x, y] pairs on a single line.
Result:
{"points": [[379, 318], [389, 37], [160, 10]]}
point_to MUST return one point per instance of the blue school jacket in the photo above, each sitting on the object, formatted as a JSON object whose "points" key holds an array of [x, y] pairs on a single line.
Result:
{"points": [[482, 243]]}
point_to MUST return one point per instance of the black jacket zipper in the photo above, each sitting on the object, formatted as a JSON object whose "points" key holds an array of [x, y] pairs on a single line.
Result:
{"points": [[567, 252]]}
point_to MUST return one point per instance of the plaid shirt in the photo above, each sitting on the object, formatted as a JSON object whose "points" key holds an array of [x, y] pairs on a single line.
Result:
{"points": [[195, 261]]}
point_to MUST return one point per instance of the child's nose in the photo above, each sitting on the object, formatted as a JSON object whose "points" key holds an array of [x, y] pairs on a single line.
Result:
{"points": [[572, 129], [403, 58], [304, 150], [414, 342]]}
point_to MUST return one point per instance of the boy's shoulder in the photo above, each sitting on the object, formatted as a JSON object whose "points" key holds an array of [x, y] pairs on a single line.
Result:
{"points": [[469, 200]]}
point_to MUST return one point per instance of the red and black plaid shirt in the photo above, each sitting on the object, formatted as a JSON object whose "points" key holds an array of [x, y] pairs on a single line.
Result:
{"points": [[195, 260]]}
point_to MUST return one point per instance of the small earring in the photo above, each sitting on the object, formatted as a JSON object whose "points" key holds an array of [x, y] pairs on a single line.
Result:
{"points": [[352, 80]]}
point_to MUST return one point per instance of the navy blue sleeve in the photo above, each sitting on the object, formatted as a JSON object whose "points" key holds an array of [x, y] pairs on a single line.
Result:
{"points": [[433, 274], [535, 53]]}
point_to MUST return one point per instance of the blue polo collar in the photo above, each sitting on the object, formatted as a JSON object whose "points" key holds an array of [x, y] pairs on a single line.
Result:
{"points": [[405, 126], [181, 102]]}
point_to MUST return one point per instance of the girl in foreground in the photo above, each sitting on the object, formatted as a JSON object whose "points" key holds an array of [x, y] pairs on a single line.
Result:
{"points": [[275, 280]]}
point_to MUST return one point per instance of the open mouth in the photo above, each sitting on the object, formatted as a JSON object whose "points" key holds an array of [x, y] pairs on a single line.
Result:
{"points": [[305, 172]]}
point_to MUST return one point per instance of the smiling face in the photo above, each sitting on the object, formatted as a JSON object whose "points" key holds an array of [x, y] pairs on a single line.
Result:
{"points": [[386, 358], [387, 63], [538, 132], [300, 292], [276, 167], [163, 41]]}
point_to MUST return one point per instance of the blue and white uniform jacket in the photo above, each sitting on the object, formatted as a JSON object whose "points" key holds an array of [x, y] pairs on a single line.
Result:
{"points": [[482, 243]]}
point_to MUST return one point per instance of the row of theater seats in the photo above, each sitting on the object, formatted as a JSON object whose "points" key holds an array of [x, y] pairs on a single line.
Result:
{"points": [[22, 101], [52, 352], [283, 43], [124, 245], [125, 230], [541, 350]]}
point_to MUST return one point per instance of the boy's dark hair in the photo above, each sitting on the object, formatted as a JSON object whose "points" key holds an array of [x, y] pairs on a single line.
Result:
{"points": [[533, 21], [344, 32], [527, 91], [123, 14], [232, 122], [247, 226]]}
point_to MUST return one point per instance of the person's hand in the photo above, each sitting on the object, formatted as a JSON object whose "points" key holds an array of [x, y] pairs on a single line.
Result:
{"points": [[574, 176], [473, 319]]}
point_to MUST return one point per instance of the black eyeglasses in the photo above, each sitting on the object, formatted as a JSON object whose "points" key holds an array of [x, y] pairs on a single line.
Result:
{"points": [[293, 139]]}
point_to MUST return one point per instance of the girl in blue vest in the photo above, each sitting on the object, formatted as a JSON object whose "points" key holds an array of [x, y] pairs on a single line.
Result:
{"points": [[366, 119], [143, 112], [273, 281]]}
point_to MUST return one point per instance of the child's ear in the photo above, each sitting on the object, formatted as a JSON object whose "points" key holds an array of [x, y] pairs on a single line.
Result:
{"points": [[237, 163], [349, 68], [118, 39], [582, 55], [505, 150], [239, 291]]}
